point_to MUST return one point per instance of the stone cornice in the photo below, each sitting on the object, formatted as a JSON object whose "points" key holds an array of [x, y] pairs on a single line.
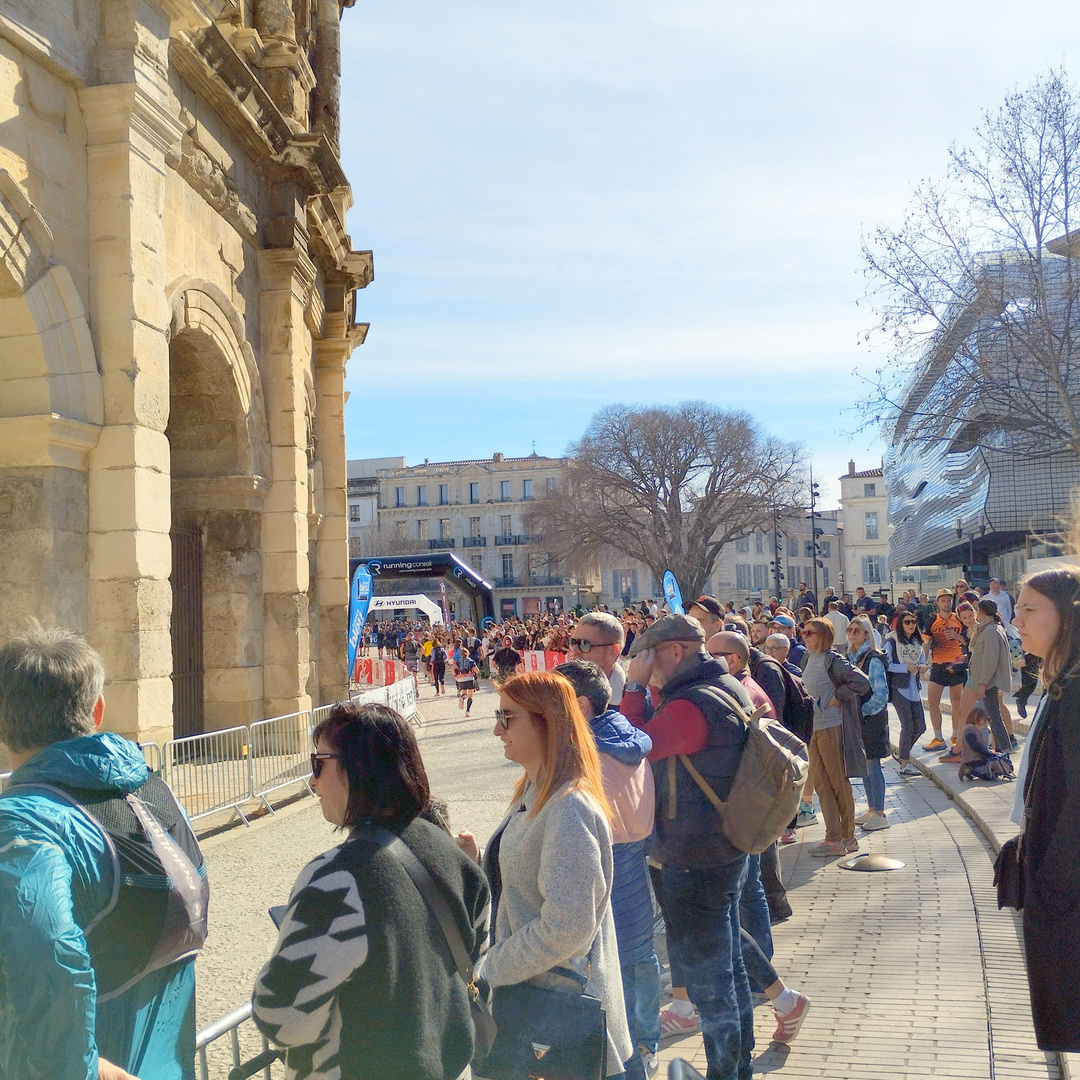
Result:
{"points": [[46, 439], [208, 177], [287, 268], [114, 111]]}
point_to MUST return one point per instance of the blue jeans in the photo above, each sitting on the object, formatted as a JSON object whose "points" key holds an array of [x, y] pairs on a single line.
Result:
{"points": [[641, 991], [701, 910], [754, 908], [874, 784]]}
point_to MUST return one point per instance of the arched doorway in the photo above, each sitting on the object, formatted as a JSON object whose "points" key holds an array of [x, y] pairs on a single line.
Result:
{"points": [[218, 462]]}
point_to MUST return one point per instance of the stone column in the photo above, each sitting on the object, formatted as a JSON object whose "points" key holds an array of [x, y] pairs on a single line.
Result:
{"points": [[128, 133], [332, 559], [286, 275]]}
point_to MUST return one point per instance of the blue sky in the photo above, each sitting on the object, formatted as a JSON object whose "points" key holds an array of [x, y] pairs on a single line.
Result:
{"points": [[577, 203]]}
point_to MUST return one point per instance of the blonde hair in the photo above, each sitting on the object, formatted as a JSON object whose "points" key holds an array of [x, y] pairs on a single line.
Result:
{"points": [[825, 632], [570, 756]]}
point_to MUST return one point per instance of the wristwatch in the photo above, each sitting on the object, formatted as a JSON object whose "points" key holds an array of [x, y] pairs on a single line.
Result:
{"points": [[633, 688]]}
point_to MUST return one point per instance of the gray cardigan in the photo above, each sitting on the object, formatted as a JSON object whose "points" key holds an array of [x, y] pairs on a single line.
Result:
{"points": [[990, 663], [555, 905]]}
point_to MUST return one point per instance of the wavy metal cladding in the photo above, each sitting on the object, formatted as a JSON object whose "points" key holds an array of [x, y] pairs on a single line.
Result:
{"points": [[954, 457]]}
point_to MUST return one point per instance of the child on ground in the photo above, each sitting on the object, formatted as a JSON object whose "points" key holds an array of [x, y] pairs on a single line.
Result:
{"points": [[977, 760]]}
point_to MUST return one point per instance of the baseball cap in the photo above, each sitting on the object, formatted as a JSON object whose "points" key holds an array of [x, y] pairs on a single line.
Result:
{"points": [[670, 628], [709, 604], [943, 592], [783, 620]]}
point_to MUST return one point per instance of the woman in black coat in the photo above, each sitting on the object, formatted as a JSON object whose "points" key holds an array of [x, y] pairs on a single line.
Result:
{"points": [[1048, 618]]}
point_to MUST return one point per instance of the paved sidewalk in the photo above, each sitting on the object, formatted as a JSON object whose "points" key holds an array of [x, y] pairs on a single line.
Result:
{"points": [[912, 973]]}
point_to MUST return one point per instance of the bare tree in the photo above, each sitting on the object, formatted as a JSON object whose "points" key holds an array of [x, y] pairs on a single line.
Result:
{"points": [[976, 292], [668, 487]]}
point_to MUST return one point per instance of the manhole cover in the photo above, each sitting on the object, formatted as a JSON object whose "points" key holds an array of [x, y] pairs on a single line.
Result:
{"points": [[871, 863]]}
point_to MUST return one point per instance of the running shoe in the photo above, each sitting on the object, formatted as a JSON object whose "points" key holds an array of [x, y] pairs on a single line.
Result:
{"points": [[1014, 744], [806, 815], [651, 1062], [862, 819], [907, 769], [671, 1023], [952, 756], [787, 1027], [828, 849], [878, 821], [936, 743], [851, 845], [789, 836]]}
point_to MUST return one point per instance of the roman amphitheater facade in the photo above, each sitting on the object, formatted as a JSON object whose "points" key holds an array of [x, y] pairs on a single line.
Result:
{"points": [[177, 306]]}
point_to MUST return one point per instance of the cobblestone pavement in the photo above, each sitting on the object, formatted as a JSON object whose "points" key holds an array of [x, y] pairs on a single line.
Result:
{"points": [[912, 973]]}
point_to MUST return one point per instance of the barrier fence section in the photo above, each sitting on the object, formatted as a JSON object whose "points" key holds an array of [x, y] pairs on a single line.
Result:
{"points": [[279, 753], [228, 1024], [210, 772]]}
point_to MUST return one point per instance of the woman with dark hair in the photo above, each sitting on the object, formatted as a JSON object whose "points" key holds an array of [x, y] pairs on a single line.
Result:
{"points": [[989, 673], [905, 656], [551, 858], [1048, 798], [836, 747], [361, 984]]}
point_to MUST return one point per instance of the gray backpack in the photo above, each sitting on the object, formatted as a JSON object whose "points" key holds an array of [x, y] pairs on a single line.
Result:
{"points": [[768, 784]]}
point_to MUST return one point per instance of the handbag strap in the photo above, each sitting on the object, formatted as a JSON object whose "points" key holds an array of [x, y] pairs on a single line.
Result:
{"points": [[432, 895]]}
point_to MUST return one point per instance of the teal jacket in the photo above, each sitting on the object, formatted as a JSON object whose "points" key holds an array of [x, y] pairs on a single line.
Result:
{"points": [[55, 877]]}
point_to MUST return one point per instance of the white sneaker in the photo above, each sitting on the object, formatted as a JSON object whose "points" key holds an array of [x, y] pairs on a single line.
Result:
{"points": [[862, 819], [876, 821], [651, 1062]]}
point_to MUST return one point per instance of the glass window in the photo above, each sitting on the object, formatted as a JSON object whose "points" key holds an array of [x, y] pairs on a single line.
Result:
{"points": [[421, 495], [761, 574], [873, 567], [792, 548], [550, 483], [444, 528], [399, 496], [444, 494], [759, 543], [474, 526], [506, 524], [869, 491], [825, 572], [354, 511], [508, 565], [742, 577], [399, 528], [826, 550], [474, 493], [742, 545], [478, 561], [504, 490], [871, 525], [422, 529], [808, 548], [526, 489]]}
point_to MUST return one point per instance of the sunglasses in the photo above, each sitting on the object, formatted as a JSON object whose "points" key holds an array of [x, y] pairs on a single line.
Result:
{"points": [[586, 646], [317, 762], [502, 717]]}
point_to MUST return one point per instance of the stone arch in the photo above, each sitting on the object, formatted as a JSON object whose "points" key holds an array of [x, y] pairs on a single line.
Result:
{"points": [[51, 414], [202, 310]]}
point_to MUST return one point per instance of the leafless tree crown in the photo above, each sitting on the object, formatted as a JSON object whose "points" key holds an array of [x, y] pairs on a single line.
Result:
{"points": [[975, 294], [668, 487]]}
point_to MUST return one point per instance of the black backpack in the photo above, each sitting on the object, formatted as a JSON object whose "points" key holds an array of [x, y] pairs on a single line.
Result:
{"points": [[798, 715], [157, 914]]}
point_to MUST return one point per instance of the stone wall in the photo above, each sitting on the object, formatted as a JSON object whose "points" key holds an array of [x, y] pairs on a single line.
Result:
{"points": [[177, 306]]}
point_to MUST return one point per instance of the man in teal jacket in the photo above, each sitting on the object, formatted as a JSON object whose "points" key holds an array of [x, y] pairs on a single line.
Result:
{"points": [[56, 877]]}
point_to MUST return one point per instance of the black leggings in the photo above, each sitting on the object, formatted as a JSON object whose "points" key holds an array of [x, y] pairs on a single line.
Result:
{"points": [[438, 673]]}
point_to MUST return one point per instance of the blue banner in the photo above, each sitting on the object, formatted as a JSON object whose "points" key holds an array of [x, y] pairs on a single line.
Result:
{"points": [[673, 594], [359, 602]]}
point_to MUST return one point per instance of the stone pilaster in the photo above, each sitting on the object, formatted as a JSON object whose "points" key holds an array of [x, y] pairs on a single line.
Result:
{"points": [[129, 132], [332, 559], [286, 275]]}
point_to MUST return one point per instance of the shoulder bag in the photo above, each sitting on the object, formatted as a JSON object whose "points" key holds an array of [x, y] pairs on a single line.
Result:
{"points": [[1009, 865], [483, 1023]]}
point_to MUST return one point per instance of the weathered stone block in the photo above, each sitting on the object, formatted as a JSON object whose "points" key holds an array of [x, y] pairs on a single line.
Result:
{"points": [[285, 572], [233, 684]]}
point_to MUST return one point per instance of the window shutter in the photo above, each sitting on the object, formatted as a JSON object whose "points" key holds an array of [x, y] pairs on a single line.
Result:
{"points": [[633, 582]]}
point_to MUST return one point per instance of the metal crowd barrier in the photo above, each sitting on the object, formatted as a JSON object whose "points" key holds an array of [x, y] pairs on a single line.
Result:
{"points": [[152, 755], [4, 778], [280, 753], [210, 772], [229, 1025]]}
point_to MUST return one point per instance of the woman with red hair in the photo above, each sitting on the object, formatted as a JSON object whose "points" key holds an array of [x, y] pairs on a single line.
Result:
{"points": [[550, 860]]}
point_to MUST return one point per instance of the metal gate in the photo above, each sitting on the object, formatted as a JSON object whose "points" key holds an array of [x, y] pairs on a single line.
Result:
{"points": [[187, 630]]}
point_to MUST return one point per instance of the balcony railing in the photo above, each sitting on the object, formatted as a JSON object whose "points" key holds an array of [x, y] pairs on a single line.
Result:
{"points": [[517, 538], [474, 541], [435, 545], [503, 541], [539, 580], [507, 582]]}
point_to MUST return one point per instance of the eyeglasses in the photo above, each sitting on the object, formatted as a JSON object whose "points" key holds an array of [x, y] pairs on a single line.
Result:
{"points": [[909, 622], [317, 760], [809, 633], [580, 644]]}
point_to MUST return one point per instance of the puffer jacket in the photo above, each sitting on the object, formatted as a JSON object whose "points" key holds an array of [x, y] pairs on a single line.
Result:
{"points": [[55, 877]]}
